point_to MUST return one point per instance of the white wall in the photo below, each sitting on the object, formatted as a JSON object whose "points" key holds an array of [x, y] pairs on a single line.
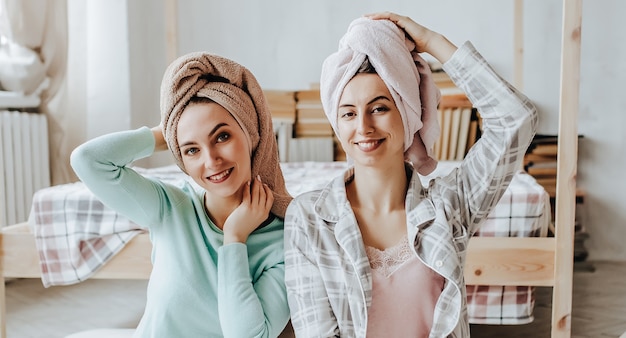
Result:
{"points": [[284, 43]]}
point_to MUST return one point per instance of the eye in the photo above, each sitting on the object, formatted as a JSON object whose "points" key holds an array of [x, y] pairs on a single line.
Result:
{"points": [[190, 151], [380, 109], [347, 114], [223, 137]]}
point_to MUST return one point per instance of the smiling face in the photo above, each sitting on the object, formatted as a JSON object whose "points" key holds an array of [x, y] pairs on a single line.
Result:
{"points": [[368, 122], [214, 149]]}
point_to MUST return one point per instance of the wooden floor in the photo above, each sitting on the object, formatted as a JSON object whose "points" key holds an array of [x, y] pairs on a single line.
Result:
{"points": [[599, 306], [598, 311]]}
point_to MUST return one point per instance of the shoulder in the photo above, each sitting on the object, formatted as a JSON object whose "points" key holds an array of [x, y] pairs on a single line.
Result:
{"points": [[302, 207], [307, 199]]}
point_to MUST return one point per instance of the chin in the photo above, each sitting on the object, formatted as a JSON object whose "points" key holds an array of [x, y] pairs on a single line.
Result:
{"points": [[366, 162]]}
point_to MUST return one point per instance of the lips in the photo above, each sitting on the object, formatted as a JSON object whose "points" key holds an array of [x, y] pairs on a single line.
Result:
{"points": [[221, 176], [369, 145]]}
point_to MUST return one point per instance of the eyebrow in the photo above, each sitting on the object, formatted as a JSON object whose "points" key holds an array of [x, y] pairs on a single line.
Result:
{"points": [[211, 133], [380, 97]]}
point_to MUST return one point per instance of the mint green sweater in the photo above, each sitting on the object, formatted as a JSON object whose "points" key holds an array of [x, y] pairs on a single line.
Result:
{"points": [[198, 286]]}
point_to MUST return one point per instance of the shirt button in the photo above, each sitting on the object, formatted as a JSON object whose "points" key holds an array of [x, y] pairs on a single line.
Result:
{"points": [[438, 264]]}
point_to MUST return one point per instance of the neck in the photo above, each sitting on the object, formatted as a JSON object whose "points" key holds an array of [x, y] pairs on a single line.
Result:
{"points": [[219, 208], [380, 189]]}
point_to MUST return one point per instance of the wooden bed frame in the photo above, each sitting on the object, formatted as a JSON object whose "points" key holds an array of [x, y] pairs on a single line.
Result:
{"points": [[490, 261]]}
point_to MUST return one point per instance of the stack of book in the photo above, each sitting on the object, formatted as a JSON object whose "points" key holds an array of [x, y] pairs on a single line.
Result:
{"points": [[311, 122], [540, 162], [310, 118], [541, 159], [282, 105], [459, 121]]}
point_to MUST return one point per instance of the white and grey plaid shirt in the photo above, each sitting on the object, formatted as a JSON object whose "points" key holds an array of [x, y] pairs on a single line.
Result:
{"points": [[328, 275]]}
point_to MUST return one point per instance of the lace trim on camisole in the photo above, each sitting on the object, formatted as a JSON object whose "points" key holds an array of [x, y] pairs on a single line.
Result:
{"points": [[387, 261]]}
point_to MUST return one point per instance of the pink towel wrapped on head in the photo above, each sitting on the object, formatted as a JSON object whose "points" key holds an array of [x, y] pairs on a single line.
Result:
{"points": [[404, 71]]}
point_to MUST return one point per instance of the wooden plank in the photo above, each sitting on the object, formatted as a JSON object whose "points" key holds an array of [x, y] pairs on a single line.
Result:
{"points": [[510, 261], [542, 171], [133, 262], [566, 168], [20, 258], [518, 45], [171, 30], [19, 253], [490, 260], [7, 260]]}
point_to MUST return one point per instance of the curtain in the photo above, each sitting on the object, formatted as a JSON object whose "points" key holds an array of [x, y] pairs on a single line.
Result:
{"points": [[34, 54]]}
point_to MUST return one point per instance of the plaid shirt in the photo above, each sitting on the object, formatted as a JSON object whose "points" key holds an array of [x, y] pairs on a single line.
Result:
{"points": [[328, 275]]}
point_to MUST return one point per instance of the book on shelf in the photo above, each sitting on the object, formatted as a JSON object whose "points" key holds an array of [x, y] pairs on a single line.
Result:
{"points": [[461, 148], [545, 149], [304, 114], [311, 149], [474, 130], [445, 133], [455, 122], [282, 105], [321, 128], [438, 143], [339, 153], [308, 96]]}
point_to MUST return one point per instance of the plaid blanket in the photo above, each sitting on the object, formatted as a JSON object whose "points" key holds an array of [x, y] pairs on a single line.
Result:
{"points": [[76, 234]]}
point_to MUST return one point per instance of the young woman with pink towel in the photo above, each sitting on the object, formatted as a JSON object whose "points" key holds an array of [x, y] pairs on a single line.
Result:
{"points": [[374, 253]]}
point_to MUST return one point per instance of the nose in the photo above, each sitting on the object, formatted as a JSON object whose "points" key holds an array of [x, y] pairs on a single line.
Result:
{"points": [[364, 124], [212, 158]]}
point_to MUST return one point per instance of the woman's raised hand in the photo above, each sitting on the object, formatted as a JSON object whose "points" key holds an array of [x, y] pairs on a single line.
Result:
{"points": [[426, 40], [253, 210]]}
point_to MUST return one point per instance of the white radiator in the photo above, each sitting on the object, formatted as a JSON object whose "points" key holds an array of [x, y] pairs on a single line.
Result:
{"points": [[24, 161]]}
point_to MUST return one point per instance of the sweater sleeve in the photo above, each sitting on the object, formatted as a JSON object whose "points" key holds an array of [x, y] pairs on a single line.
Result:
{"points": [[509, 121], [102, 165], [250, 308]]}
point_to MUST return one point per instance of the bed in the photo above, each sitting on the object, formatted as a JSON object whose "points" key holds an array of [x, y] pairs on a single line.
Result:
{"points": [[71, 236]]}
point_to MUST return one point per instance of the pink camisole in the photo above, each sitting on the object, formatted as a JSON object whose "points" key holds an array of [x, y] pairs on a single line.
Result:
{"points": [[404, 293]]}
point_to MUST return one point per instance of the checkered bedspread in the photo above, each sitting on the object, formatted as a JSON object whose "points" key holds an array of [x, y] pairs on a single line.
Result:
{"points": [[75, 234]]}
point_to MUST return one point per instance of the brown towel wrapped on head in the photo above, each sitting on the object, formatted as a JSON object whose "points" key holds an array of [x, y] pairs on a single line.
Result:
{"points": [[235, 88]]}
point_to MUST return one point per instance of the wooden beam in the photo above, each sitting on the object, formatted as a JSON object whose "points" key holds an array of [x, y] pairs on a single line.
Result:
{"points": [[171, 30], [490, 260], [518, 45], [19, 253], [566, 169], [510, 261]]}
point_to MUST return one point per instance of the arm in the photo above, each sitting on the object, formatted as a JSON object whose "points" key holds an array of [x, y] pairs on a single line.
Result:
{"points": [[509, 124], [509, 121], [159, 139], [263, 303], [250, 308], [102, 165], [311, 311]]}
